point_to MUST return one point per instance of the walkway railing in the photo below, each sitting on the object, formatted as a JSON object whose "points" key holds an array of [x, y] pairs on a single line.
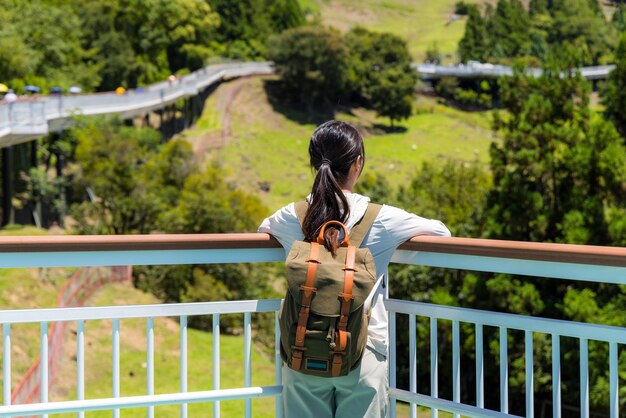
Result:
{"points": [[596, 264]]}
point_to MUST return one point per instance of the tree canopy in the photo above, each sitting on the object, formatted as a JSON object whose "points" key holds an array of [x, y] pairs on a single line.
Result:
{"points": [[510, 31]]}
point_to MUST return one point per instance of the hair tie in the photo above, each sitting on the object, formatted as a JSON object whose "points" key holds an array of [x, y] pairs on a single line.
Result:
{"points": [[325, 161]]}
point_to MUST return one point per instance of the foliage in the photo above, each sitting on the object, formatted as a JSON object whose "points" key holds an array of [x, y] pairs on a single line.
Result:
{"points": [[311, 63], [558, 169], [41, 43], [508, 30], [468, 94], [433, 55], [380, 73], [102, 45], [246, 25], [461, 8], [511, 32], [475, 42], [614, 97]]}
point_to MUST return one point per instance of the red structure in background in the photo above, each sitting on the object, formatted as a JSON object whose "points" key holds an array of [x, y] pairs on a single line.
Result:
{"points": [[77, 291]]}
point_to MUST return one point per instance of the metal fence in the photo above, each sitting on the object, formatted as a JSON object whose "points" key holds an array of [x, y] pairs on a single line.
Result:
{"points": [[550, 261]]}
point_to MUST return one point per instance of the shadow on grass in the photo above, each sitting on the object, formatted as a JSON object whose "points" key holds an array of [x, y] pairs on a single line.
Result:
{"points": [[297, 112], [396, 129]]}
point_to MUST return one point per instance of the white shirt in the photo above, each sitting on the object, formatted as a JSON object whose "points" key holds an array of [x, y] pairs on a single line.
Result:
{"points": [[392, 227]]}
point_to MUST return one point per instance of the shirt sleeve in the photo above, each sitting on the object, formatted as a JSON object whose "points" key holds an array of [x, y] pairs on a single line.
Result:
{"points": [[284, 226], [402, 225]]}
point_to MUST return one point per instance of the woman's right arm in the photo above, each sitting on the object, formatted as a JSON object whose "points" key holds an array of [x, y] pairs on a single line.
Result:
{"points": [[402, 225]]}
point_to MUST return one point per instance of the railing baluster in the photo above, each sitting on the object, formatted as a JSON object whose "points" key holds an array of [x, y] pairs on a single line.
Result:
{"points": [[115, 363], [278, 363], [6, 364], [434, 364], [43, 363], [216, 362], [613, 363], [150, 362], [530, 393], [456, 364], [504, 371], [480, 378], [392, 360], [412, 363], [247, 359], [80, 363], [556, 376], [183, 363], [584, 378]]}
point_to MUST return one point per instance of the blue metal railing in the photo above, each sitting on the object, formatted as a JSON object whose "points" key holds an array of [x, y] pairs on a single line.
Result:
{"points": [[596, 264]]}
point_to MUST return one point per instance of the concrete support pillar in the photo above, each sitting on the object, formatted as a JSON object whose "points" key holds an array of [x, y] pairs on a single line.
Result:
{"points": [[34, 162], [7, 185]]}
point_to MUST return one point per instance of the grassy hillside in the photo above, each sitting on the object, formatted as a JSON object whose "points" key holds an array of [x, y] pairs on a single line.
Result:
{"points": [[264, 149], [420, 22]]}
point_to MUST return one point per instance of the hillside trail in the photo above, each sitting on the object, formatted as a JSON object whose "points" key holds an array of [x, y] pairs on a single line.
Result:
{"points": [[216, 139]]}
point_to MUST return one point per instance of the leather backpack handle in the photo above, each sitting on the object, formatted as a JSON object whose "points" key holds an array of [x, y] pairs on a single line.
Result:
{"points": [[346, 239]]}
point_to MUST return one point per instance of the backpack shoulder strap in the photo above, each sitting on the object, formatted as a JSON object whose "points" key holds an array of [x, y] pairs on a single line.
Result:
{"points": [[358, 232], [301, 208]]}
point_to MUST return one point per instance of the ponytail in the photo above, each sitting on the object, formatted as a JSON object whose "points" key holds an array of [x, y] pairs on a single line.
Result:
{"points": [[327, 203], [334, 147]]}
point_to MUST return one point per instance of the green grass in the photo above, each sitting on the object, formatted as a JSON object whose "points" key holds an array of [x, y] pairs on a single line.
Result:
{"points": [[420, 22], [266, 148]]}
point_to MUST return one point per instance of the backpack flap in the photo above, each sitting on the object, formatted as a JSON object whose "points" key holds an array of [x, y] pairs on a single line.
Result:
{"points": [[329, 280]]}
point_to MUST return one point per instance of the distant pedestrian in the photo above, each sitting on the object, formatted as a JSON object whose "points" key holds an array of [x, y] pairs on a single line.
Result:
{"points": [[10, 97]]}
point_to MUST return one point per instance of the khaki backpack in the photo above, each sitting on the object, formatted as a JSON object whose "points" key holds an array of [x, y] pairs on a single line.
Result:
{"points": [[323, 323]]}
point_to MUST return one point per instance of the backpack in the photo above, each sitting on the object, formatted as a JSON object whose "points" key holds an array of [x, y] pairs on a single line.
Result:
{"points": [[323, 324]]}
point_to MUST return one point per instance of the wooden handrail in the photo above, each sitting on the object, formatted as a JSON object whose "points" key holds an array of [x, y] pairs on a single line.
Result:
{"points": [[566, 253]]}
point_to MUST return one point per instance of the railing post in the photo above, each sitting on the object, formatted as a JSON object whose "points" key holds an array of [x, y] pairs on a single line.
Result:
{"points": [[392, 360], [504, 371], [584, 378], [115, 360], [456, 364], [614, 380], [43, 363], [80, 363], [247, 359], [480, 378], [556, 376], [278, 363], [216, 362], [183, 363], [6, 364], [530, 392], [412, 362], [150, 362], [434, 364]]}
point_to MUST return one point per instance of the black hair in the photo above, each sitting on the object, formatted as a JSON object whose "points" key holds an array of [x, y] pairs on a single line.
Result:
{"points": [[333, 149]]}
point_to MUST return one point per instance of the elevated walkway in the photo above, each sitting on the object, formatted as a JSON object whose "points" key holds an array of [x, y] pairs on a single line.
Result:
{"points": [[29, 119], [25, 120]]}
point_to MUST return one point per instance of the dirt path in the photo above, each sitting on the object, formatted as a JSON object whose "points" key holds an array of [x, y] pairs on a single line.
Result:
{"points": [[225, 96]]}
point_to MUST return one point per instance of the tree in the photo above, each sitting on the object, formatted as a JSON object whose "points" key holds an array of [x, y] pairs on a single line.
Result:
{"points": [[392, 93], [475, 42], [558, 169], [615, 91], [619, 18], [379, 73], [311, 63], [578, 23], [508, 30]]}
